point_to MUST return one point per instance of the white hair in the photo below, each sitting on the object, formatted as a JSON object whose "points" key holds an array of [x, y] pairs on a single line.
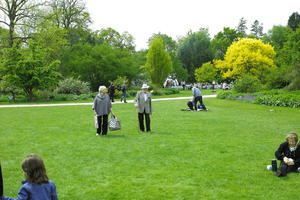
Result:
{"points": [[101, 88]]}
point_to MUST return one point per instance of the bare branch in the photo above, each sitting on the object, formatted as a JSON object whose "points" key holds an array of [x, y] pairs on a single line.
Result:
{"points": [[3, 22]]}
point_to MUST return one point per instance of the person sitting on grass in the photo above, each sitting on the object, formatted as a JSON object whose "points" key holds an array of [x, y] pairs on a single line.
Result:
{"points": [[37, 186], [289, 155]]}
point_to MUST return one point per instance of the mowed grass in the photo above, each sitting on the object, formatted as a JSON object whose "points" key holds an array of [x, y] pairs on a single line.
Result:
{"points": [[219, 154]]}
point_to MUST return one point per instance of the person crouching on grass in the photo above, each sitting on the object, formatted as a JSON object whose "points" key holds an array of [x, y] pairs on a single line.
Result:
{"points": [[37, 186], [102, 107], [289, 155]]}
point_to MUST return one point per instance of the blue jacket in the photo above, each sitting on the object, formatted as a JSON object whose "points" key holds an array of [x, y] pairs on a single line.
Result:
{"points": [[31, 191]]}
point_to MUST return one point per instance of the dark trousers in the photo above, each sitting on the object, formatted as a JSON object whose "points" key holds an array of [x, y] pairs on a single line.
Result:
{"points": [[102, 124], [199, 98], [284, 169], [111, 96], [141, 121]]}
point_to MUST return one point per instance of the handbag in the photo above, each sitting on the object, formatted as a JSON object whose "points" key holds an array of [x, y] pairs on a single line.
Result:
{"points": [[114, 123]]}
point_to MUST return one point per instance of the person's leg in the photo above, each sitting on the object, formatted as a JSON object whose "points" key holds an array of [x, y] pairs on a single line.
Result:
{"points": [[201, 103], [141, 121], [112, 98], [99, 118], [104, 125], [282, 170], [125, 97], [147, 122], [195, 102]]}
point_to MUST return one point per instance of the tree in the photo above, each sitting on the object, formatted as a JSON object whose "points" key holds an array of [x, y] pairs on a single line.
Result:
{"points": [[257, 29], [16, 11], [277, 36], [194, 50], [159, 63], [171, 47], [242, 27], [26, 70], [223, 40], [294, 21], [247, 56], [69, 14], [206, 73]]}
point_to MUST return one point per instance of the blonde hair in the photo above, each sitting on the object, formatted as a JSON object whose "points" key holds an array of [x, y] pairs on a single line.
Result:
{"points": [[292, 136], [102, 89]]}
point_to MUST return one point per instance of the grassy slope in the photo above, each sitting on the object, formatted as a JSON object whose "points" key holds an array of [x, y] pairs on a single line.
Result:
{"points": [[219, 154]]}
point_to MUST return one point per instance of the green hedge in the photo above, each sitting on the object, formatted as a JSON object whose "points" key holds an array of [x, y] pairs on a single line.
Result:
{"points": [[269, 97]]}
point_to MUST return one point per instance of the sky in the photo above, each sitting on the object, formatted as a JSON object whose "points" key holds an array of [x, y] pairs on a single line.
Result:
{"points": [[142, 18]]}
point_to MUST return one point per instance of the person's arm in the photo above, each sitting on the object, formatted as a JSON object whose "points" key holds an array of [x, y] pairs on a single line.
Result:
{"points": [[279, 154], [53, 192], [22, 195], [136, 99], [94, 106]]}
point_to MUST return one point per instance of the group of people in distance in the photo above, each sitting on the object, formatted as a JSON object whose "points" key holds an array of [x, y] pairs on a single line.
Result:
{"points": [[37, 185]]}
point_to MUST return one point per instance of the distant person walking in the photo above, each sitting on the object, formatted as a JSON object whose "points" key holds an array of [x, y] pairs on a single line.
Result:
{"points": [[111, 91], [123, 89], [102, 107], [144, 107], [197, 96]]}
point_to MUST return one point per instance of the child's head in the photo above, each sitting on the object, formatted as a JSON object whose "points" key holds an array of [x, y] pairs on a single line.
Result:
{"points": [[34, 168], [292, 138]]}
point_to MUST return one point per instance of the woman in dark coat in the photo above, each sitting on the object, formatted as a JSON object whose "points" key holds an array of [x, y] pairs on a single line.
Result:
{"points": [[289, 155]]}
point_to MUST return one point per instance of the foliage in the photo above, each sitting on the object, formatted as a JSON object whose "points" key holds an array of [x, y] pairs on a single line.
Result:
{"points": [[257, 29], [165, 91], [72, 86], [120, 81], [295, 78], [247, 56], [159, 63], [206, 73], [171, 46], [194, 50], [27, 71], [277, 36], [97, 64], [223, 40], [294, 21], [287, 100], [247, 84], [242, 27]]}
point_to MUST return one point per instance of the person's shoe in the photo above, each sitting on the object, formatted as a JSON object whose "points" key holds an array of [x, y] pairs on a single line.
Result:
{"points": [[125, 101], [97, 134], [269, 167], [298, 170]]}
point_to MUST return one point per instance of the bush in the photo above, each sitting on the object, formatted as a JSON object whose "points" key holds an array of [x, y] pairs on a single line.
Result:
{"points": [[72, 86], [287, 100], [248, 84]]}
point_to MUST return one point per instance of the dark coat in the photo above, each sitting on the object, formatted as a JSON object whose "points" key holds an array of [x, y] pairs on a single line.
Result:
{"points": [[284, 151]]}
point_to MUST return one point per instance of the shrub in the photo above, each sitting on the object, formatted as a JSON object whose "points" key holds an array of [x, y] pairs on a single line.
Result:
{"points": [[287, 100], [72, 86], [248, 84]]}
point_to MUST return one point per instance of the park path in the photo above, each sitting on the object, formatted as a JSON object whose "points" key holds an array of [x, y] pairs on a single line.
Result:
{"points": [[86, 104]]}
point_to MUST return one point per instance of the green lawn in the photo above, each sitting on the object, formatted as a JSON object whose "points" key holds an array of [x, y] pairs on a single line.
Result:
{"points": [[219, 154]]}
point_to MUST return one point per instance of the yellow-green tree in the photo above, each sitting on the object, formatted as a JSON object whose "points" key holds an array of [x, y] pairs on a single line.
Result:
{"points": [[206, 73], [159, 63], [247, 56]]}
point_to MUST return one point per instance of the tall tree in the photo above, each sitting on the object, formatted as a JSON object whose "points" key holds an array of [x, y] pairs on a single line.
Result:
{"points": [[223, 40], [69, 14], [294, 21], [171, 47], [257, 29], [159, 63], [194, 50], [15, 11], [242, 26]]}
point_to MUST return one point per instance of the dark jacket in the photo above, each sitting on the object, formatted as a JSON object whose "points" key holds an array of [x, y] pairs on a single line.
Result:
{"points": [[284, 151], [111, 90], [31, 191]]}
